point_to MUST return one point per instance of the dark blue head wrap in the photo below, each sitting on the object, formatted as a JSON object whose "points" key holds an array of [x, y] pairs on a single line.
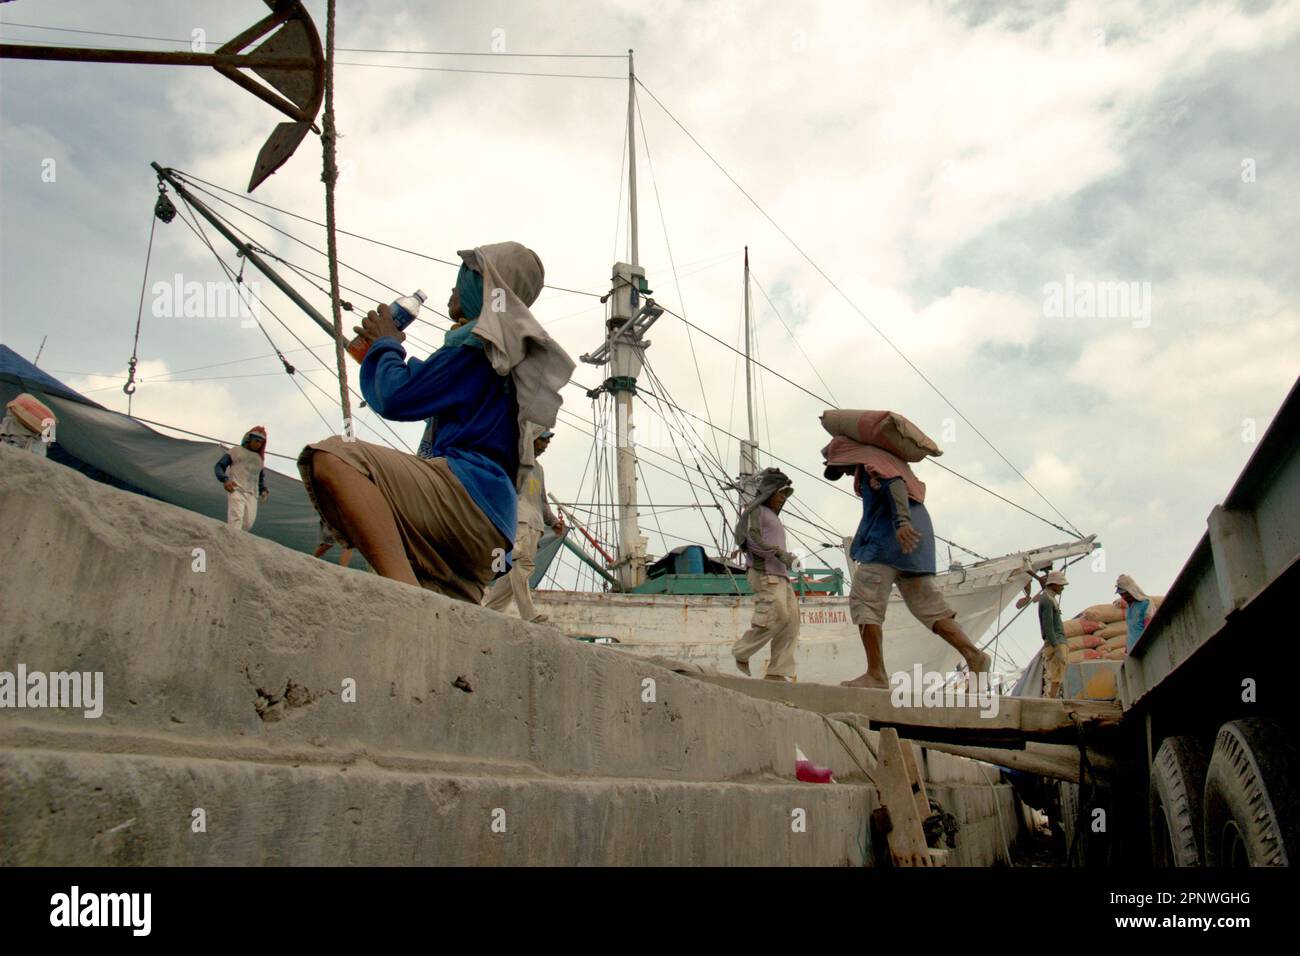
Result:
{"points": [[470, 286]]}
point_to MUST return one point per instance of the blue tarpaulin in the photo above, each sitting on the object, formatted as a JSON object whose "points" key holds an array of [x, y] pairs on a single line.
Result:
{"points": [[126, 453]]}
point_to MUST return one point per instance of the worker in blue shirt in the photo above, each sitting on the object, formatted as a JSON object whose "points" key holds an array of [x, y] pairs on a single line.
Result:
{"points": [[445, 522], [1138, 608], [894, 544]]}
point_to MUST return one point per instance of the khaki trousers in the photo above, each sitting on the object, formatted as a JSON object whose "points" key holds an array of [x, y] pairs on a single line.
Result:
{"points": [[776, 620], [515, 584], [241, 509], [449, 541]]}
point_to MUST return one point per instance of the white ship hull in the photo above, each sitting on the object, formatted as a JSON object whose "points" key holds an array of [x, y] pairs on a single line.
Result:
{"points": [[700, 629]]}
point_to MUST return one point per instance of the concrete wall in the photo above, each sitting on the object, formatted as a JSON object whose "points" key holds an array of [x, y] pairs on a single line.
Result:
{"points": [[225, 691]]}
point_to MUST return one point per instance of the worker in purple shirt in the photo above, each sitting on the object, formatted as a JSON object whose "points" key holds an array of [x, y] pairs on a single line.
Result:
{"points": [[445, 522], [768, 565], [894, 544]]}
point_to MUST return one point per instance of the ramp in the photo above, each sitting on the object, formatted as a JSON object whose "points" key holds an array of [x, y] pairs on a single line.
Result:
{"points": [[263, 707]]}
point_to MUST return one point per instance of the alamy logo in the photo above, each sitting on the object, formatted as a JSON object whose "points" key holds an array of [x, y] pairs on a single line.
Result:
{"points": [[56, 689], [1085, 299], [103, 909], [179, 299], [933, 689]]}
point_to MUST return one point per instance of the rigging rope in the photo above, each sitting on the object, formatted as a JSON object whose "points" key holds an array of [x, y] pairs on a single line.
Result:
{"points": [[855, 308], [829, 402], [191, 180], [203, 236], [129, 387], [330, 175], [230, 273], [342, 49], [223, 441], [672, 264], [793, 338], [197, 229]]}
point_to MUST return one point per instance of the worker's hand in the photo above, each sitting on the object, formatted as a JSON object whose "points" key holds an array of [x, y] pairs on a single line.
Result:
{"points": [[264, 495], [378, 325], [907, 537], [229, 485], [558, 527]]}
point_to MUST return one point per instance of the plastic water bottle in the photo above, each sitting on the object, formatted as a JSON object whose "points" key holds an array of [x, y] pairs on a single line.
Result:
{"points": [[404, 311], [809, 772]]}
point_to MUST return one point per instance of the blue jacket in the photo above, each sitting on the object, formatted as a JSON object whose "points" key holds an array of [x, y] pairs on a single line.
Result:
{"points": [[875, 542], [477, 428], [1136, 619]]}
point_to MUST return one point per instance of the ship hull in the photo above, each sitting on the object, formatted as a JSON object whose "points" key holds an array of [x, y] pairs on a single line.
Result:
{"points": [[701, 629]]}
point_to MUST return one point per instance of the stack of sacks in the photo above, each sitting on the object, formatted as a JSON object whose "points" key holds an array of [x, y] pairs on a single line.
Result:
{"points": [[882, 442], [1102, 633]]}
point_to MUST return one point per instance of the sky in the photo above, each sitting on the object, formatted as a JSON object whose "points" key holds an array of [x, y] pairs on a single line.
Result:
{"points": [[1058, 237]]}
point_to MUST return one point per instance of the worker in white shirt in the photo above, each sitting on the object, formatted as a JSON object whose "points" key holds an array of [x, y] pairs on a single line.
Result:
{"points": [[240, 470]]}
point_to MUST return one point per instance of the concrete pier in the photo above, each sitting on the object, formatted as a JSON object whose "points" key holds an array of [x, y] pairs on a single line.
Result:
{"points": [[261, 706]]}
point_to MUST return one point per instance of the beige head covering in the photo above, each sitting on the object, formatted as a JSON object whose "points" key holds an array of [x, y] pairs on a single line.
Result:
{"points": [[515, 342], [1056, 577], [1126, 583]]}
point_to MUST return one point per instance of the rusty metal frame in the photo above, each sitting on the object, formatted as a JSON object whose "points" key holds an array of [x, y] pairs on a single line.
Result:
{"points": [[228, 61]]}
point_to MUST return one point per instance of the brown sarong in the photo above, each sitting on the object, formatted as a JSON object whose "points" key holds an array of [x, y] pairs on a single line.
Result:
{"points": [[449, 541]]}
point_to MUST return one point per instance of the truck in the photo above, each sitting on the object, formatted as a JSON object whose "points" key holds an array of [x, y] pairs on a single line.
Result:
{"points": [[1207, 765]]}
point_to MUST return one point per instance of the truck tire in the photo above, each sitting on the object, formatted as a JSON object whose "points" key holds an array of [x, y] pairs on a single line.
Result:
{"points": [[1176, 818], [1250, 797]]}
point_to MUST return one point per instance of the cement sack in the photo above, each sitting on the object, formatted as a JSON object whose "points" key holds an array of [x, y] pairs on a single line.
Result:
{"points": [[1078, 626], [1084, 642], [1118, 654], [1118, 629], [31, 411], [887, 430], [843, 455], [1118, 641], [1104, 613]]}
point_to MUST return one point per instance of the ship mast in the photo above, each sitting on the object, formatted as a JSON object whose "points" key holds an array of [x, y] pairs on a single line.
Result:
{"points": [[631, 313], [749, 447]]}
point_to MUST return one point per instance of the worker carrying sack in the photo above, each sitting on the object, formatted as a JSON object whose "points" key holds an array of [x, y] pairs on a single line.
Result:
{"points": [[843, 456], [887, 430], [31, 411]]}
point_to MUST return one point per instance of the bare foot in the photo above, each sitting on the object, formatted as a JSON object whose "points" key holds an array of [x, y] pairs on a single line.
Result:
{"points": [[867, 680], [781, 677], [743, 667]]}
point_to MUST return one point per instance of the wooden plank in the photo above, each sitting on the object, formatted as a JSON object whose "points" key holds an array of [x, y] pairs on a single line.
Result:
{"points": [[1016, 720], [916, 781], [1058, 761], [907, 845]]}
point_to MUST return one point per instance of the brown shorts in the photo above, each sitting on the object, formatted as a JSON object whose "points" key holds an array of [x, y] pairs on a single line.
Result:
{"points": [[449, 541], [869, 595]]}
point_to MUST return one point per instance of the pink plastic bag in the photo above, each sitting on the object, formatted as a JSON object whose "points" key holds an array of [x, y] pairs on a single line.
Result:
{"points": [[809, 772]]}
